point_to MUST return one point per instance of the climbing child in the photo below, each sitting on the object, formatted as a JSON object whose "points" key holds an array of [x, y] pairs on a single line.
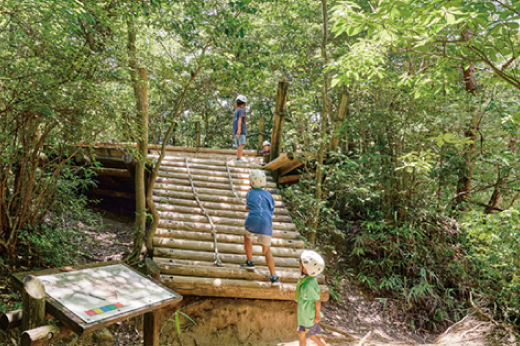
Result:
{"points": [[308, 298], [240, 126], [267, 148], [259, 223]]}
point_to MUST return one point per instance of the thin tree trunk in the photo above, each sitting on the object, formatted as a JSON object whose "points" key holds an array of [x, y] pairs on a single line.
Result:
{"points": [[324, 111]]}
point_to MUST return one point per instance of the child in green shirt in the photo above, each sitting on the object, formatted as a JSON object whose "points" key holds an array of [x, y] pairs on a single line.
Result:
{"points": [[308, 298]]}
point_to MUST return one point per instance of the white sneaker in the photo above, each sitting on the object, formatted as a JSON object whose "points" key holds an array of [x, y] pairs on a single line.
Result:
{"points": [[241, 161]]}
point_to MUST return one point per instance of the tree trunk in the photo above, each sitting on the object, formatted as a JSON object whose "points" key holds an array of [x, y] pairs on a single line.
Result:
{"points": [[324, 111], [338, 120], [277, 132]]}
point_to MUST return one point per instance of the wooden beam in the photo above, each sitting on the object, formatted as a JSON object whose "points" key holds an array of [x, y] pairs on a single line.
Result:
{"points": [[33, 303], [115, 194], [289, 179], [210, 166], [279, 162], [234, 288], [279, 114], [13, 319], [211, 179], [45, 335], [112, 172], [187, 197], [289, 166], [210, 185], [213, 172], [202, 150], [214, 192]]}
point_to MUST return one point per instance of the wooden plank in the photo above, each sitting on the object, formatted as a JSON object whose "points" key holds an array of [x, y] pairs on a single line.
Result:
{"points": [[221, 229], [224, 257], [198, 245], [208, 167], [235, 288], [209, 172], [211, 185], [208, 162], [190, 202], [170, 148], [280, 226], [224, 238], [238, 215]]}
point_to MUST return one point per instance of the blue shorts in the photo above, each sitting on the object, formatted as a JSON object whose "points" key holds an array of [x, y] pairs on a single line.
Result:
{"points": [[310, 331], [240, 140]]}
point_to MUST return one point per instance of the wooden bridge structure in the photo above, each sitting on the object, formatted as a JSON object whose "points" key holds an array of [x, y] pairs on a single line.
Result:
{"points": [[200, 195]]}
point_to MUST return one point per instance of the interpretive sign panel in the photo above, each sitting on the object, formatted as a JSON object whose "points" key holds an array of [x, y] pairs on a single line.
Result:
{"points": [[97, 294]]}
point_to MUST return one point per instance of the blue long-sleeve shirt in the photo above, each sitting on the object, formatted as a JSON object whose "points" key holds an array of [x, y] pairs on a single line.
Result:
{"points": [[261, 209]]}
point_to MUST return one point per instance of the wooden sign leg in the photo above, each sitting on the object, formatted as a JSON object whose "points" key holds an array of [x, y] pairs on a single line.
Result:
{"points": [[33, 303], [151, 319]]}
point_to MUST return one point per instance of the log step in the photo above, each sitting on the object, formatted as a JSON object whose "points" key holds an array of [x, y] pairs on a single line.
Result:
{"points": [[243, 184], [228, 272], [212, 172], [212, 185], [238, 215], [190, 202], [194, 161], [280, 226], [224, 257], [224, 238], [209, 246], [214, 192], [217, 287], [165, 225], [208, 167]]}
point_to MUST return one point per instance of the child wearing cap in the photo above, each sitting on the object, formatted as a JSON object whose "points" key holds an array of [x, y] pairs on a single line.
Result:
{"points": [[267, 148], [259, 223], [308, 298]]}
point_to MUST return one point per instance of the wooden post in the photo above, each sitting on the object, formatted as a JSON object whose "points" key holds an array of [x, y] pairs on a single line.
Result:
{"points": [[279, 114], [261, 133], [33, 303], [151, 319], [13, 319], [197, 134]]}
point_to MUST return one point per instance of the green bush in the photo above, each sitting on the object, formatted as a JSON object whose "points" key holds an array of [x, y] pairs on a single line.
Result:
{"points": [[494, 250]]}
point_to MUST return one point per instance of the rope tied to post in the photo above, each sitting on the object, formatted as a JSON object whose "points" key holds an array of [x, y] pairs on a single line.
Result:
{"points": [[217, 262]]}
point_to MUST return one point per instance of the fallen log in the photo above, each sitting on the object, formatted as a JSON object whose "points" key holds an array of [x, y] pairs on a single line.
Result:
{"points": [[221, 229], [280, 226], [238, 215], [288, 167], [222, 247], [224, 257], [190, 202], [224, 238], [234, 288], [45, 335], [279, 162]]}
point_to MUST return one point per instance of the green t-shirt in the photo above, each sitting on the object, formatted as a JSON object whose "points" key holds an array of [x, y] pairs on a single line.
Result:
{"points": [[308, 294]]}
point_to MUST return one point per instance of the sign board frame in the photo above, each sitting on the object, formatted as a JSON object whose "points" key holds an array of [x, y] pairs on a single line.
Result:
{"points": [[76, 324]]}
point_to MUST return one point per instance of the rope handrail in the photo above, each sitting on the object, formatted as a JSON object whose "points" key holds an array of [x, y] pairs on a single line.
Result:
{"points": [[218, 262], [233, 187]]}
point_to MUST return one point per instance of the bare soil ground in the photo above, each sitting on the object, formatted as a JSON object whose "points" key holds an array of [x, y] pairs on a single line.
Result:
{"points": [[359, 320]]}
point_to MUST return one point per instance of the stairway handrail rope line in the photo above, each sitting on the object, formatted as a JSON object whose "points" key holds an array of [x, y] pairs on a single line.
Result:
{"points": [[217, 262], [233, 187]]}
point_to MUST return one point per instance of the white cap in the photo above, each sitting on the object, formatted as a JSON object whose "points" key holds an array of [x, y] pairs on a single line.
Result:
{"points": [[266, 143], [257, 178], [242, 98], [313, 262]]}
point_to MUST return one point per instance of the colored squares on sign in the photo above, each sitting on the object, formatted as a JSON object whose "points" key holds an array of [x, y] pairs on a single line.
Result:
{"points": [[90, 313], [118, 305], [111, 307], [98, 311], [105, 308]]}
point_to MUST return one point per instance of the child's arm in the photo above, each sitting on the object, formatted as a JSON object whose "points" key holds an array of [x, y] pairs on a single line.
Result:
{"points": [[239, 129], [317, 317]]}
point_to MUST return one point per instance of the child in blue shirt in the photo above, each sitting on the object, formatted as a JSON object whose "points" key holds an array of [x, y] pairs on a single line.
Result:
{"points": [[308, 298], [259, 223]]}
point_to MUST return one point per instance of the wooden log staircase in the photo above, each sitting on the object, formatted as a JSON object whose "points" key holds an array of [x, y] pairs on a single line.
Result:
{"points": [[201, 203]]}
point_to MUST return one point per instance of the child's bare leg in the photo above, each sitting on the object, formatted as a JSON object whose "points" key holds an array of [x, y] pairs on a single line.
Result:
{"points": [[319, 341], [248, 245], [266, 250], [303, 338], [240, 149]]}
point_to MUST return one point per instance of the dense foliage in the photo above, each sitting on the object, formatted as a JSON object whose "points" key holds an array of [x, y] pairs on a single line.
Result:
{"points": [[419, 168]]}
